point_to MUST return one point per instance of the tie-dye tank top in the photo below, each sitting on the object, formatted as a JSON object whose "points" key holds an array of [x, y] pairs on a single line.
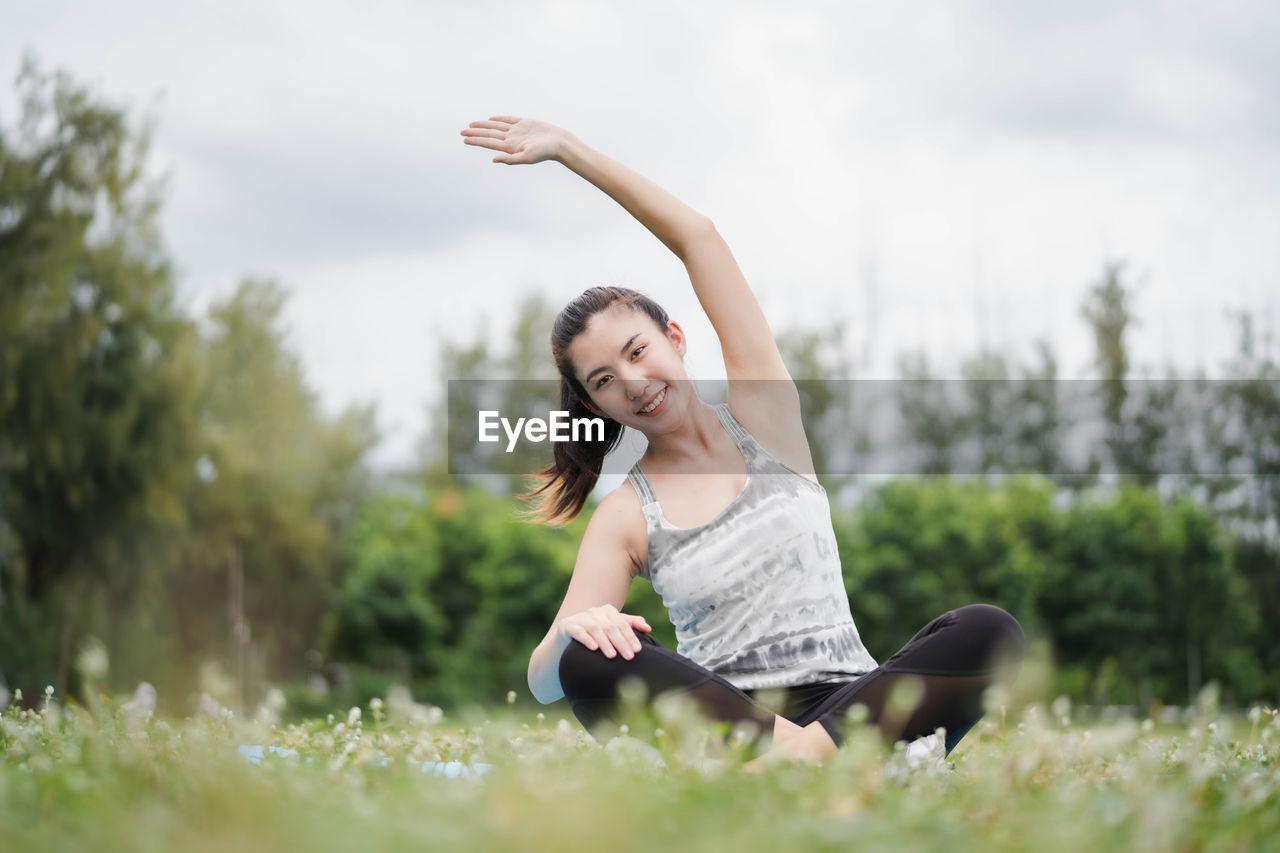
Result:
{"points": [[756, 595]]}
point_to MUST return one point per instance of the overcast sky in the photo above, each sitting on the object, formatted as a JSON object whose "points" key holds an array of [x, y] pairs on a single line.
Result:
{"points": [[938, 174]]}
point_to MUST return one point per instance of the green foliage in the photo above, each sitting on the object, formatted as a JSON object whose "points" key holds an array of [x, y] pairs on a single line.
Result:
{"points": [[96, 367], [1127, 578], [449, 591], [140, 460], [917, 548], [279, 484]]}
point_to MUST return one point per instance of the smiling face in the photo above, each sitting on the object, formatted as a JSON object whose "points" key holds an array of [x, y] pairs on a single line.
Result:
{"points": [[625, 362]]}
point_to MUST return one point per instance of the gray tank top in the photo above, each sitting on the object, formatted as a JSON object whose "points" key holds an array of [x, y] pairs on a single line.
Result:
{"points": [[756, 595]]}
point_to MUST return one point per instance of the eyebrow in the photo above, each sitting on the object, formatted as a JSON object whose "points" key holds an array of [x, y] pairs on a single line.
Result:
{"points": [[622, 351]]}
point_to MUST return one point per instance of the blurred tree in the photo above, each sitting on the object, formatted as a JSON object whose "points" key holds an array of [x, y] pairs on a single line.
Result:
{"points": [[388, 615], [517, 379], [819, 363], [1245, 426], [96, 368], [1107, 308], [991, 415], [449, 590], [278, 485], [933, 418], [919, 547], [1040, 426], [1138, 416], [1150, 585]]}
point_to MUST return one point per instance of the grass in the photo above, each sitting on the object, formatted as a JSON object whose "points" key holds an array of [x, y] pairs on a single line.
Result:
{"points": [[113, 778]]}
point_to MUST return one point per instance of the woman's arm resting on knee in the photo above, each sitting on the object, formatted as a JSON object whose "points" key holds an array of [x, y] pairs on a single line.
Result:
{"points": [[598, 588]]}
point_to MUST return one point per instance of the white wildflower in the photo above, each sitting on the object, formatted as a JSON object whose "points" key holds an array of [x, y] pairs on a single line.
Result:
{"points": [[93, 661]]}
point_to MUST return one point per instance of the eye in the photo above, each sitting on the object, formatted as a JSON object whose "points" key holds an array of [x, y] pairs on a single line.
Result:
{"points": [[601, 380], [637, 349]]}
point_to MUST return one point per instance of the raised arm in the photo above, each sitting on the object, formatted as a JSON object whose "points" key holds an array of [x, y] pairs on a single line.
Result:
{"points": [[746, 341]]}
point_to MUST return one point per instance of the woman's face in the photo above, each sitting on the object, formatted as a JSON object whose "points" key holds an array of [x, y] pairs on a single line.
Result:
{"points": [[626, 363]]}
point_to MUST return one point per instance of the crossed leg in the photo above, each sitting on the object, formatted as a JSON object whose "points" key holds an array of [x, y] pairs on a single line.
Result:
{"points": [[951, 661]]}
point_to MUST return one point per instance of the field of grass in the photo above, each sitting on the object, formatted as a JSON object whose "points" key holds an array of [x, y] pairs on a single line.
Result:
{"points": [[112, 778]]}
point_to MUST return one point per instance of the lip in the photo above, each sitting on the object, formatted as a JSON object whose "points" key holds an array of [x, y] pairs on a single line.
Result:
{"points": [[651, 399]]}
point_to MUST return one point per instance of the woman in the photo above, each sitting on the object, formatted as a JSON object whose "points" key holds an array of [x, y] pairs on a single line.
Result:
{"points": [[744, 555]]}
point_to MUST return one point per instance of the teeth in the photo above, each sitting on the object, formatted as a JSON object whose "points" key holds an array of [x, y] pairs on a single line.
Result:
{"points": [[661, 396]]}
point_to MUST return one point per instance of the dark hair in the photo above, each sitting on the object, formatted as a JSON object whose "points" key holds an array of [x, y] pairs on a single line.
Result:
{"points": [[575, 468]]}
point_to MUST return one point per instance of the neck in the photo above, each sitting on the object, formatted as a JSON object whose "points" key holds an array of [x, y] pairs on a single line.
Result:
{"points": [[691, 442]]}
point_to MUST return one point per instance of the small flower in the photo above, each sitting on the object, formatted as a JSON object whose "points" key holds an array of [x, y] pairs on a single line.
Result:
{"points": [[511, 697], [375, 704], [353, 716], [48, 690]]}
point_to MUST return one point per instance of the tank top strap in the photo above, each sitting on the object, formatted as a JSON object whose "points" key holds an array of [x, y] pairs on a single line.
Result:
{"points": [[641, 484], [735, 429]]}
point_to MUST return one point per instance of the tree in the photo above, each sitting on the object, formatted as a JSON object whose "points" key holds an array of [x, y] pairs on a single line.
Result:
{"points": [[1138, 418], [279, 485], [95, 367], [823, 371], [520, 381]]}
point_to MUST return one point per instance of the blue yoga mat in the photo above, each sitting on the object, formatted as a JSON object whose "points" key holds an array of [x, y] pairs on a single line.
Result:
{"points": [[254, 754]]}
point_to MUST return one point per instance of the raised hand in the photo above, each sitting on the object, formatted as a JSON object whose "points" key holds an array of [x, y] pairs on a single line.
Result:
{"points": [[521, 140]]}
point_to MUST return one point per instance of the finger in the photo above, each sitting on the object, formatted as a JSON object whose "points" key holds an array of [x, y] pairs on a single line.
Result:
{"points": [[625, 641], [486, 141], [639, 622], [606, 646], [581, 635], [494, 125], [484, 131], [495, 144], [507, 119]]}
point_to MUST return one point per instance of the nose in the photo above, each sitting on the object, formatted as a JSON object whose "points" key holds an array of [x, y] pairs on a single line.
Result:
{"points": [[633, 380], [638, 388]]}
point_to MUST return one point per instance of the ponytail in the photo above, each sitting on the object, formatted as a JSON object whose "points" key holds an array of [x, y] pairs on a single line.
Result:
{"points": [[575, 468]]}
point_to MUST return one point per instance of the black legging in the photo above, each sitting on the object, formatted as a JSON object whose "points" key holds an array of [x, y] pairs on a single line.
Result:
{"points": [[955, 658]]}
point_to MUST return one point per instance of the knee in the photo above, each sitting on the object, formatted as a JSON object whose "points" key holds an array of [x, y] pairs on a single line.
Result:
{"points": [[576, 668], [1005, 635], [585, 671]]}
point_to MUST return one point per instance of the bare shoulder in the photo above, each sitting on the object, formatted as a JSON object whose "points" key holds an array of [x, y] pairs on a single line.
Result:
{"points": [[770, 411], [622, 517]]}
